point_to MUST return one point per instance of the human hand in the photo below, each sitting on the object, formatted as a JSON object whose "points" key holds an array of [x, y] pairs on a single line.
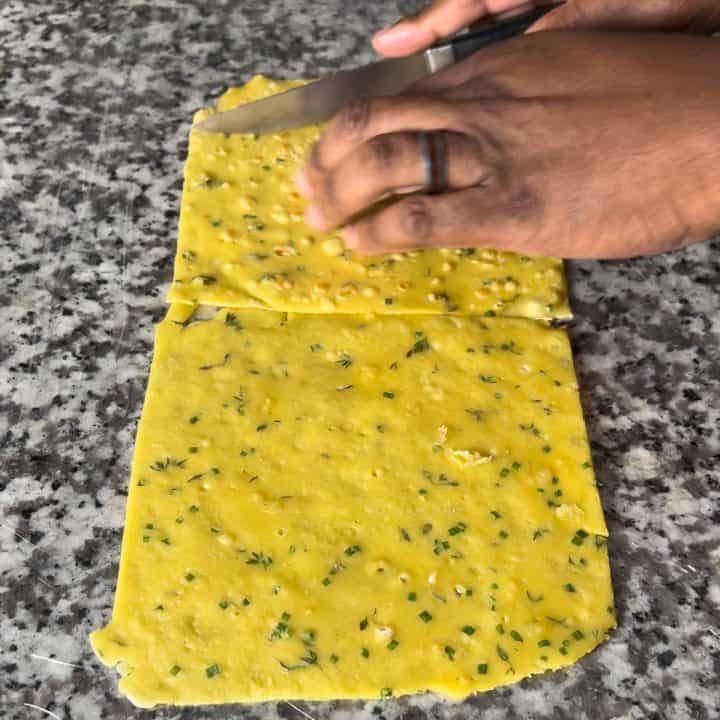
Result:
{"points": [[594, 145], [446, 17]]}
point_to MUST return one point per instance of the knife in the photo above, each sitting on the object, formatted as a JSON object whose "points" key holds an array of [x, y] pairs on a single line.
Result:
{"points": [[320, 100]]}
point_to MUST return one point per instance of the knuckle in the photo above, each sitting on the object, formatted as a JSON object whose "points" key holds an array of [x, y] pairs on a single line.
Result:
{"points": [[380, 153], [478, 164], [523, 204], [354, 118], [416, 220], [478, 158]]}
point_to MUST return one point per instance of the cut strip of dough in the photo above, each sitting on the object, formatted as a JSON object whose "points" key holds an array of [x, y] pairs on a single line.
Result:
{"points": [[243, 242]]}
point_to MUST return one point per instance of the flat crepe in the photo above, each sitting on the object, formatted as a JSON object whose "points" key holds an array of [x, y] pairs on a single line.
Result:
{"points": [[353, 506]]}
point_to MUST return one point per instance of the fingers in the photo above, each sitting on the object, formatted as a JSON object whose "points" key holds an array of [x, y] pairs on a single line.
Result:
{"points": [[699, 16], [569, 15], [441, 19], [365, 118], [384, 165], [474, 217], [448, 81]]}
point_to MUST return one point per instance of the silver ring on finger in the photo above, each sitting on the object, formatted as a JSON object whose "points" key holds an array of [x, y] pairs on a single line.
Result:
{"points": [[434, 153]]}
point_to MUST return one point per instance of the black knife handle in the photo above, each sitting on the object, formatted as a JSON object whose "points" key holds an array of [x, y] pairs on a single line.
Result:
{"points": [[467, 44]]}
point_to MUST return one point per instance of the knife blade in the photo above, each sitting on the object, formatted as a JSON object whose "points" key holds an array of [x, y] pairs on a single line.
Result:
{"points": [[321, 99]]}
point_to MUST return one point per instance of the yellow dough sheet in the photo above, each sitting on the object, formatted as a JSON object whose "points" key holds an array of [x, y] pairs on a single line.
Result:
{"points": [[243, 242], [355, 506]]}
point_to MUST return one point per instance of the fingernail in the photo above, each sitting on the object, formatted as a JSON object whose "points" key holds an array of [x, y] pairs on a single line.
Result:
{"points": [[315, 217], [350, 237], [397, 29], [302, 182], [391, 26]]}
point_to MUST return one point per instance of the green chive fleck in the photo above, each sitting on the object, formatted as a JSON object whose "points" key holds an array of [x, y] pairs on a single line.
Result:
{"points": [[420, 346]]}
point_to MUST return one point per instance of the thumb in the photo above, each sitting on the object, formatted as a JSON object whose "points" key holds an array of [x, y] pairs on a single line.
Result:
{"points": [[442, 19]]}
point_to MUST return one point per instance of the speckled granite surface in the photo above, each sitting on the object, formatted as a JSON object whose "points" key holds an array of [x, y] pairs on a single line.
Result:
{"points": [[96, 101]]}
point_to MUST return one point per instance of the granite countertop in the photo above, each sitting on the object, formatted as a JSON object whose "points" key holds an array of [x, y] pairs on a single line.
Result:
{"points": [[96, 103]]}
